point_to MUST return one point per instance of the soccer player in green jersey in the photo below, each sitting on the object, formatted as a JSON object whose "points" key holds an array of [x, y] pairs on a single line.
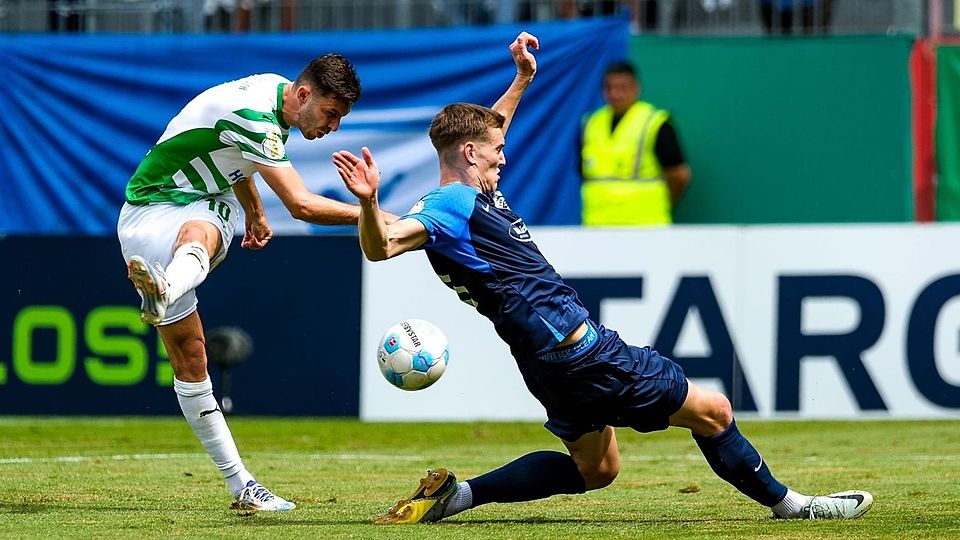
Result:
{"points": [[182, 206]]}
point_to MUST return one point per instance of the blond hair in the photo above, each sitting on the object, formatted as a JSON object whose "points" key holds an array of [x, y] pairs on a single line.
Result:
{"points": [[458, 123]]}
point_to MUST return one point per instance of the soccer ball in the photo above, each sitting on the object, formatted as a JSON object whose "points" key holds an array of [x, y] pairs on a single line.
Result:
{"points": [[413, 354]]}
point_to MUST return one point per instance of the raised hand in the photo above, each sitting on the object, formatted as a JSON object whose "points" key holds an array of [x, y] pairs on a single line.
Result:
{"points": [[360, 176], [526, 62]]}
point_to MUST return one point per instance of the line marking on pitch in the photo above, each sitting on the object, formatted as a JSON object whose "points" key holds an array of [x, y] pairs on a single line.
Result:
{"points": [[82, 459], [381, 457]]}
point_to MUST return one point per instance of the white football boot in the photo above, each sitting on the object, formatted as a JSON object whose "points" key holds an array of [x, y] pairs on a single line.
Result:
{"points": [[256, 497], [843, 505], [152, 284]]}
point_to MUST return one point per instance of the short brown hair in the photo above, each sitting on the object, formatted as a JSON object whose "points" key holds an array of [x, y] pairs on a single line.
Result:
{"points": [[332, 75], [461, 122], [621, 67]]}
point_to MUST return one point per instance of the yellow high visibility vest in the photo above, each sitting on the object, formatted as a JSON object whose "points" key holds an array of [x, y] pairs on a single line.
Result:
{"points": [[623, 180]]}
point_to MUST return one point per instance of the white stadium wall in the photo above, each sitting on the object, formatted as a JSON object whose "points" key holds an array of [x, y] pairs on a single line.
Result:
{"points": [[790, 321]]}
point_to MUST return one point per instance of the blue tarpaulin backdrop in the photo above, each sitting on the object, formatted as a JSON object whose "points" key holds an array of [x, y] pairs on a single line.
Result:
{"points": [[79, 112]]}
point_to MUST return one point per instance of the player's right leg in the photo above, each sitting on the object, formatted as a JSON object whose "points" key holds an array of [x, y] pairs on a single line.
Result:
{"points": [[161, 286], [530, 477], [170, 248], [151, 283], [597, 457], [184, 341], [593, 463], [191, 256], [428, 501]]}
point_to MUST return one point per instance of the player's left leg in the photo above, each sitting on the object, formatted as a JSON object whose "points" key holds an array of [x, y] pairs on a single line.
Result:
{"points": [[184, 341], [709, 416]]}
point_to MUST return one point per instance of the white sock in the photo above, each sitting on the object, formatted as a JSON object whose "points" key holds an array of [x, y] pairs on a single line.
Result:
{"points": [[206, 419], [187, 270], [791, 505], [461, 500], [238, 481]]}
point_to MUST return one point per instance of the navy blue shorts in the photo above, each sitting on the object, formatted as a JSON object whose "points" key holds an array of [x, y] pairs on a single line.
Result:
{"points": [[602, 381]]}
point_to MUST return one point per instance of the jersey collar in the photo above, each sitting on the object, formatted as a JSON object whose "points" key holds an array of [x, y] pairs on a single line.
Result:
{"points": [[280, 119]]}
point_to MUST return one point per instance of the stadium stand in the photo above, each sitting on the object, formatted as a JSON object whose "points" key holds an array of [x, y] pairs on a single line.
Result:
{"points": [[710, 17]]}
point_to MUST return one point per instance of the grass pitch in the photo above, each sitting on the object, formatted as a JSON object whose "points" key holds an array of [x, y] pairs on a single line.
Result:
{"points": [[149, 478]]}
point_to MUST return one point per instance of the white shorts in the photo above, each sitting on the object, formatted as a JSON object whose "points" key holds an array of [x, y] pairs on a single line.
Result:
{"points": [[151, 231]]}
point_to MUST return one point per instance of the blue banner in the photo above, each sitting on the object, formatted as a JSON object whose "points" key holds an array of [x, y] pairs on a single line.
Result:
{"points": [[71, 339], [79, 112]]}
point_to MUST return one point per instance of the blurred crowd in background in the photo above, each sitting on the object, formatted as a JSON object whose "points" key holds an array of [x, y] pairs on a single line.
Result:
{"points": [[711, 17]]}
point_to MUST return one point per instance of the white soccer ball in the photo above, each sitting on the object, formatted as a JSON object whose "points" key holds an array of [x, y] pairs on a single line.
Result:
{"points": [[413, 354]]}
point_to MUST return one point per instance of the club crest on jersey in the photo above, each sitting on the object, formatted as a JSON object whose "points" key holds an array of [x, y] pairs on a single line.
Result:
{"points": [[272, 145], [518, 231], [499, 201]]}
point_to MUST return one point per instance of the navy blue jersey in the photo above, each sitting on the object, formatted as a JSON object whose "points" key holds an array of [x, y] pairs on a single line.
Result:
{"points": [[483, 251]]}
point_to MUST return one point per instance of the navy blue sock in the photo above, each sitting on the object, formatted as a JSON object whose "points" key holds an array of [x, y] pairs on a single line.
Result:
{"points": [[527, 478], [734, 459]]}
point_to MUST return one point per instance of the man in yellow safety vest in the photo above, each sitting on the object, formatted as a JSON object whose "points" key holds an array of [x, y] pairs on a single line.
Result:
{"points": [[631, 161]]}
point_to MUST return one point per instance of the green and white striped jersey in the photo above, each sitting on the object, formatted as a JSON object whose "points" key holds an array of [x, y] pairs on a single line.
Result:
{"points": [[214, 143]]}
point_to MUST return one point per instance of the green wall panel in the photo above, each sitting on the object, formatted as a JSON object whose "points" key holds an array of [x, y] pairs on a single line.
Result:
{"points": [[948, 133], [780, 130]]}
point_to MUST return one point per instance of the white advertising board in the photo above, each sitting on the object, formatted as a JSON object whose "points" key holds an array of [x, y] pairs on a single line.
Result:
{"points": [[789, 321]]}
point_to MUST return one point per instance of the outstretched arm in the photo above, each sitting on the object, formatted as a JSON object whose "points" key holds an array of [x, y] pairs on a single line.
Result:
{"points": [[526, 69], [306, 205], [379, 239], [256, 230]]}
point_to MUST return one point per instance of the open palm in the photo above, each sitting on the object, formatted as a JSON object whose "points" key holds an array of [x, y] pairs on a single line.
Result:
{"points": [[361, 176]]}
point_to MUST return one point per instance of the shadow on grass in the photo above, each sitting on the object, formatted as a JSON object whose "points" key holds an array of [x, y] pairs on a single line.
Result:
{"points": [[25, 508], [261, 520], [264, 519], [613, 521]]}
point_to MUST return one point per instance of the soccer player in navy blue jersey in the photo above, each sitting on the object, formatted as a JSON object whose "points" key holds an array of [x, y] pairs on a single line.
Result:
{"points": [[587, 378]]}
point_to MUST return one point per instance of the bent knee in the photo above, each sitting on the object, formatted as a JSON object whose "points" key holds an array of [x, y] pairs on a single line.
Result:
{"points": [[723, 411], [716, 416], [602, 475]]}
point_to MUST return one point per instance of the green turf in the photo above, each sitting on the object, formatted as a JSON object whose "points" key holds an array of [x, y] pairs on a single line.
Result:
{"points": [[143, 478]]}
